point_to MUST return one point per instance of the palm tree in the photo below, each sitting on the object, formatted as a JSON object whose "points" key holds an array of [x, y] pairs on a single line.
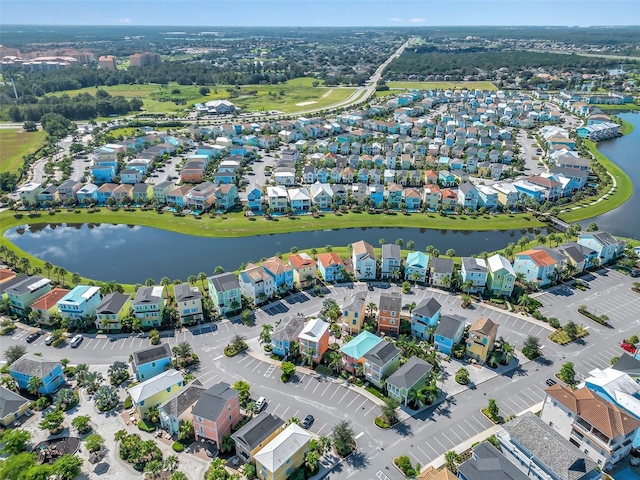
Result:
{"points": [[165, 281], [446, 281], [523, 242], [410, 244], [372, 308], [311, 460], [524, 301], [410, 307], [192, 280], [508, 351], [182, 350], [25, 263], [34, 385], [153, 468], [202, 277], [450, 253], [265, 333], [171, 463], [218, 270], [75, 278], [467, 285], [417, 397]]}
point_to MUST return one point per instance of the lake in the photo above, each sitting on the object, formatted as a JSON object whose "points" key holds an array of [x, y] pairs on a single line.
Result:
{"points": [[131, 254]]}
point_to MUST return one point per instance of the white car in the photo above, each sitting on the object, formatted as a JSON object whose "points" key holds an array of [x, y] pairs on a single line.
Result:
{"points": [[76, 340]]}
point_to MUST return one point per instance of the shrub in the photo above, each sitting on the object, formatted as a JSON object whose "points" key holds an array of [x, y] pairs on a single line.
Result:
{"points": [[70, 372], [380, 422], [177, 447], [403, 463], [128, 403], [376, 392], [146, 427], [602, 320], [324, 370]]}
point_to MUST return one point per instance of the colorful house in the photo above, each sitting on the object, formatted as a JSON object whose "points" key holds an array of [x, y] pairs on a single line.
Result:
{"points": [[81, 302], [314, 339], [111, 310], [424, 318], [12, 406], [331, 266], [391, 259], [285, 333], [389, 310], [482, 336], [536, 266], [448, 333], [29, 366], [189, 302], [281, 272], [354, 351], [604, 244], [304, 269], [47, 304], [148, 305], [411, 376], [256, 283], [224, 290], [178, 407], [156, 390], [364, 261], [474, 270], [216, 412], [22, 294], [353, 313], [283, 454], [416, 267], [254, 199], [380, 362], [152, 361], [256, 434], [501, 276]]}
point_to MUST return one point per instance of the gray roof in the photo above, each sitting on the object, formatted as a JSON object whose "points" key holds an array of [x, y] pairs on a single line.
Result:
{"points": [[470, 265], [145, 295], [391, 302], [68, 184], [10, 402], [427, 308], [556, 255], [288, 329], [140, 188], [254, 432], [213, 401], [26, 284], [4, 286], [356, 302], [184, 291], [112, 303], [549, 447], [628, 364], [185, 398], [224, 282], [410, 373], [391, 250], [382, 353], [442, 265], [33, 366], [466, 187], [449, 325], [569, 172], [151, 354], [605, 238], [164, 184], [487, 463], [571, 251]]}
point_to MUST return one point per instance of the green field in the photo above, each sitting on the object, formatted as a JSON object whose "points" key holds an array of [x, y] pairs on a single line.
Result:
{"points": [[296, 95], [14, 144], [442, 85]]}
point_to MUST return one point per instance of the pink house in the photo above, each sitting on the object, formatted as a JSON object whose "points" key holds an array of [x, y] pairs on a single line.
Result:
{"points": [[314, 339], [216, 413]]}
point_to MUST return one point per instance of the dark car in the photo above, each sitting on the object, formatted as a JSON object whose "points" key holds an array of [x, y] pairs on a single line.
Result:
{"points": [[32, 337], [550, 382], [635, 273], [370, 287], [308, 421]]}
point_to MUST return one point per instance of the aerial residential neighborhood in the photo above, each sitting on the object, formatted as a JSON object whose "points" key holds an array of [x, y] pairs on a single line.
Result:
{"points": [[400, 250]]}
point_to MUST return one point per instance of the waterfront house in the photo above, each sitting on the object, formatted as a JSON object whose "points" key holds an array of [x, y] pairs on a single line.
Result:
{"points": [[24, 292], [353, 352], [68, 190], [284, 333], [281, 272], [189, 303], [441, 268], [148, 305], [285, 453], [81, 302], [87, 193], [389, 310], [48, 194], [178, 196], [413, 375], [391, 259], [47, 304], [225, 292], [468, 196], [448, 333], [501, 276], [416, 267], [536, 266], [331, 266], [29, 192], [304, 269], [155, 390], [151, 361], [12, 406], [321, 195], [111, 311], [256, 284], [161, 190], [29, 366], [604, 244], [380, 362], [255, 434], [314, 339], [424, 318], [364, 261], [474, 270], [482, 336], [216, 413], [178, 407]]}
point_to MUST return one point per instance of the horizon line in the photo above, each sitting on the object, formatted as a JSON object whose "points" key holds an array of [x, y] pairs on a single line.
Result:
{"points": [[317, 26]]}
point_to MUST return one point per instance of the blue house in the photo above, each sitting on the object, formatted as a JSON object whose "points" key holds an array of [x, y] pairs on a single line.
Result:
{"points": [[604, 244], [151, 361], [30, 366], [448, 333], [446, 179], [224, 178], [281, 272], [254, 199], [416, 267], [376, 194], [424, 317], [103, 173], [285, 333], [238, 150]]}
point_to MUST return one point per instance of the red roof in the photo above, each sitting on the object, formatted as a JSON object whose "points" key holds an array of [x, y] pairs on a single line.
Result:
{"points": [[49, 299]]}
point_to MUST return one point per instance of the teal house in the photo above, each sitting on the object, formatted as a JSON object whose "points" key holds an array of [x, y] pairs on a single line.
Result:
{"points": [[354, 351], [224, 290], [30, 366], [22, 294], [151, 361]]}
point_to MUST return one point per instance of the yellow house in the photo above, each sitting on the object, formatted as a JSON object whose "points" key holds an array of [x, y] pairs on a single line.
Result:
{"points": [[304, 269], [482, 336], [12, 406], [283, 454], [111, 310], [258, 432], [156, 390], [48, 304], [353, 313]]}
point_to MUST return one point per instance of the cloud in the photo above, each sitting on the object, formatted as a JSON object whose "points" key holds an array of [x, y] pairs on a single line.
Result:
{"points": [[395, 19], [124, 20], [417, 20]]}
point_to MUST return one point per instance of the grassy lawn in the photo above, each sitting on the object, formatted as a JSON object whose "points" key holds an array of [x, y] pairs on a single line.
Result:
{"points": [[621, 194], [627, 128], [627, 107], [16, 144], [442, 85]]}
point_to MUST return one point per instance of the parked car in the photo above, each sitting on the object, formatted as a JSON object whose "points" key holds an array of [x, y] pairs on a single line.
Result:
{"points": [[48, 339], [308, 421], [261, 403], [32, 337], [628, 347], [550, 382], [76, 340], [635, 273]]}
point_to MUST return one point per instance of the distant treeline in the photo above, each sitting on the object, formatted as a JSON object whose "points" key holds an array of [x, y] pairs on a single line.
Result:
{"points": [[78, 107], [425, 61]]}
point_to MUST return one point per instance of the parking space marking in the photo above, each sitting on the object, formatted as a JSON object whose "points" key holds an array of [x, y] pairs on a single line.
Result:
{"points": [[325, 390], [285, 412], [374, 406], [318, 432], [418, 447], [314, 390], [105, 344], [337, 390], [345, 394], [445, 448], [456, 434], [417, 459], [296, 414], [471, 426], [361, 405]]}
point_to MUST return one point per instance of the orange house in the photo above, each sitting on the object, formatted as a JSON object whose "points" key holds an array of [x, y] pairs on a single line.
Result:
{"points": [[216, 412], [389, 313], [314, 339]]}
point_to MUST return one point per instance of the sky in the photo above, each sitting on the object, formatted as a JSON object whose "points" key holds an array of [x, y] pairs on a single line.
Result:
{"points": [[273, 13]]}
